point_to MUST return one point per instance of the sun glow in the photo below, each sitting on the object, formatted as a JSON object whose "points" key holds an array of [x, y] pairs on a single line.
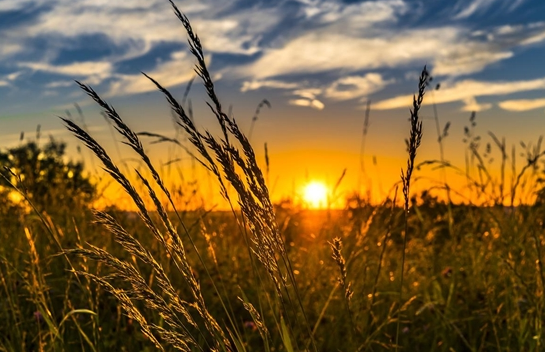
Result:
{"points": [[315, 194]]}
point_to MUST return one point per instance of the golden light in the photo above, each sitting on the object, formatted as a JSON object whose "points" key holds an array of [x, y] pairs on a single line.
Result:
{"points": [[315, 194]]}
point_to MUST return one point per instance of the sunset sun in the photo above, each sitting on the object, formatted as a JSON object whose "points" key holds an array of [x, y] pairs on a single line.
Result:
{"points": [[315, 194]]}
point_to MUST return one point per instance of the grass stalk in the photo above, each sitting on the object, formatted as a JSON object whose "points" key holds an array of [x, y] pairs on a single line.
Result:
{"points": [[413, 143]]}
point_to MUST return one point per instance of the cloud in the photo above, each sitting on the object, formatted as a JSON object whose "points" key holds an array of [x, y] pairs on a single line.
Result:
{"points": [[355, 86], [466, 90], [86, 68], [474, 7], [14, 75], [465, 9], [8, 49], [126, 30], [345, 88], [8, 79], [178, 70], [53, 30], [93, 72], [258, 84], [313, 103], [308, 97], [536, 37], [466, 59], [128, 24], [13, 5], [308, 93], [357, 15], [450, 50], [522, 104], [59, 84], [470, 104]]}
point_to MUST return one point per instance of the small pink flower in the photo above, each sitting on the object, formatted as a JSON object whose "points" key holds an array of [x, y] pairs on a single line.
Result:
{"points": [[250, 325], [38, 316], [447, 272]]}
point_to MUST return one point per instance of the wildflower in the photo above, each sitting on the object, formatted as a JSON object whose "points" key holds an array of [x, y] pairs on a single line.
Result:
{"points": [[250, 325], [38, 316], [447, 272]]}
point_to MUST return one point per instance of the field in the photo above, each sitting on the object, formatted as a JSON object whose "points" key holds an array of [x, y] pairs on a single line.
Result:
{"points": [[417, 272]]}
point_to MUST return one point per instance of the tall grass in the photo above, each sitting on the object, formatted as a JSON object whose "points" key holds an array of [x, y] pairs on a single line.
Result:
{"points": [[233, 165], [413, 143]]}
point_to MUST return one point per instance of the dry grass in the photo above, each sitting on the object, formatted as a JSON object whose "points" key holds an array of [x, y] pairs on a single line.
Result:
{"points": [[412, 146], [231, 164]]}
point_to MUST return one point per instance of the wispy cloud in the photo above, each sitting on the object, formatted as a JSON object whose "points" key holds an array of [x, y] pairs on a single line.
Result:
{"points": [[143, 24], [123, 31], [77, 69], [176, 71], [465, 8], [308, 97], [258, 84], [8, 48], [356, 15], [345, 88], [8, 79], [59, 84], [522, 104], [466, 91], [351, 87], [451, 51], [311, 103], [471, 104], [473, 7]]}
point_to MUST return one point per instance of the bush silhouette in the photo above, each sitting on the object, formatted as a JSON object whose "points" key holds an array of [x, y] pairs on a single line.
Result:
{"points": [[50, 183]]}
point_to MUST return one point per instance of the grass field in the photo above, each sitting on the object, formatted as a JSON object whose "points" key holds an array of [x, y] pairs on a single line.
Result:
{"points": [[415, 273]]}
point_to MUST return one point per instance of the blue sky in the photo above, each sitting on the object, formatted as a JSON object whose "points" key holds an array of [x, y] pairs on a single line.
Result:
{"points": [[317, 61], [313, 51]]}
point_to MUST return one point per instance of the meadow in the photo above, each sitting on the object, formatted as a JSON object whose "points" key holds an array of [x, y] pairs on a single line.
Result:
{"points": [[417, 272]]}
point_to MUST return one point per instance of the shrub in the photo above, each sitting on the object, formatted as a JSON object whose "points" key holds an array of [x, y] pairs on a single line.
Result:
{"points": [[42, 174]]}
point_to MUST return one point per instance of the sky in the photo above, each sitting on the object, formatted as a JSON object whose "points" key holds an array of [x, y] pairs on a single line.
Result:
{"points": [[318, 63]]}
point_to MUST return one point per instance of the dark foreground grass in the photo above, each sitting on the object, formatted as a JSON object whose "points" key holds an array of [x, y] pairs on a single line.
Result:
{"points": [[477, 290], [427, 276]]}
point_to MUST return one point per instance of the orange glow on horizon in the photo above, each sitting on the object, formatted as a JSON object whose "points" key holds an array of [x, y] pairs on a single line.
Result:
{"points": [[303, 177]]}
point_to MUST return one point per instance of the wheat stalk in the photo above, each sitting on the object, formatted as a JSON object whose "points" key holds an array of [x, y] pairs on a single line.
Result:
{"points": [[412, 143]]}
